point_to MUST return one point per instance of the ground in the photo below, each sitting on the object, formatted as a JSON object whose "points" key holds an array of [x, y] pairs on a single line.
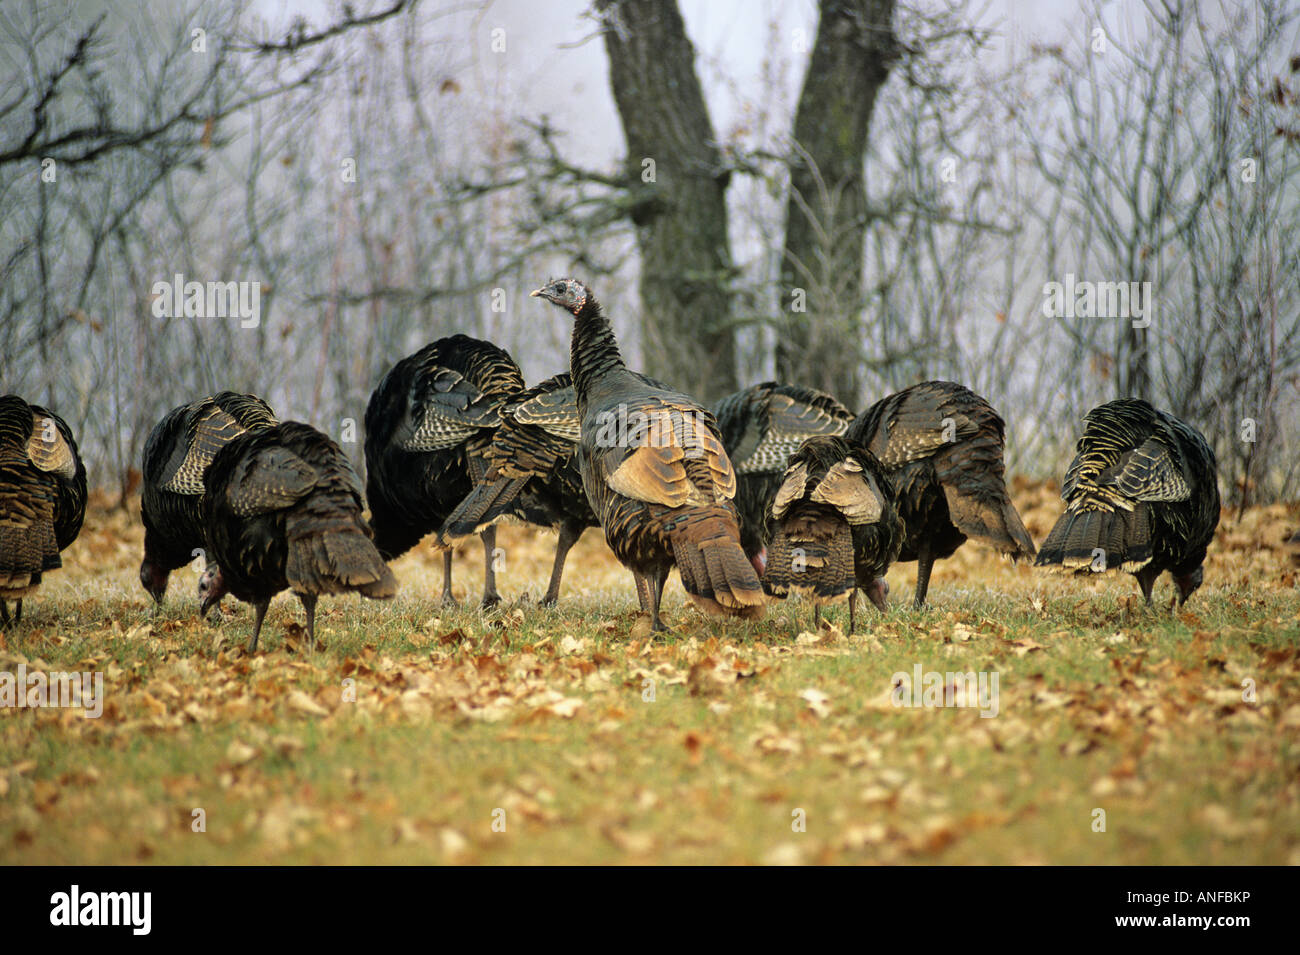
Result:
{"points": [[419, 734]]}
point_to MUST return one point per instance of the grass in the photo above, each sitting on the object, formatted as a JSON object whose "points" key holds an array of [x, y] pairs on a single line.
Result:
{"points": [[541, 720]]}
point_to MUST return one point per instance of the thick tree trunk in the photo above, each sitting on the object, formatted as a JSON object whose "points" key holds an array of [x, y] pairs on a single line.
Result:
{"points": [[821, 272], [672, 153]]}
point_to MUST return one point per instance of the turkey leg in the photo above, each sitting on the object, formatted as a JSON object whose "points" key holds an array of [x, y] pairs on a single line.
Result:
{"points": [[490, 596], [569, 534], [257, 624], [447, 599], [309, 605], [656, 585], [1146, 578], [924, 563]]}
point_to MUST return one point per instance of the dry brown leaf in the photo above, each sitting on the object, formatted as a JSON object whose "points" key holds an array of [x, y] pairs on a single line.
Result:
{"points": [[303, 703], [818, 702], [239, 752]]}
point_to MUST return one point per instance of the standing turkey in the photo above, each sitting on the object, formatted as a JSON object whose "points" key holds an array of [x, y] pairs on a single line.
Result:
{"points": [[837, 528], [42, 498], [176, 456], [761, 427], [941, 445], [1142, 495], [533, 469], [655, 472], [282, 507], [429, 426]]}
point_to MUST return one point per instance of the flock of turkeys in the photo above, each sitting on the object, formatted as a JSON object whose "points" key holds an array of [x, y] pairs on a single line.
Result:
{"points": [[779, 489]]}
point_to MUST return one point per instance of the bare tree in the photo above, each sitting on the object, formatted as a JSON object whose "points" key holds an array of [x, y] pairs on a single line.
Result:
{"points": [[681, 219], [1173, 161], [826, 215]]}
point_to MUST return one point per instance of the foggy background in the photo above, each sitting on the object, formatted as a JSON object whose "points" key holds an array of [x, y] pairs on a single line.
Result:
{"points": [[1003, 151]]}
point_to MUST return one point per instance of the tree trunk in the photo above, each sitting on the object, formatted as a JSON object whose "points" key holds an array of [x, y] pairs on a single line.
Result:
{"points": [[672, 156], [1133, 364], [821, 271]]}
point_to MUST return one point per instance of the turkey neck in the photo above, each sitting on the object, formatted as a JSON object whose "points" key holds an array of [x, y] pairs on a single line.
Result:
{"points": [[594, 352]]}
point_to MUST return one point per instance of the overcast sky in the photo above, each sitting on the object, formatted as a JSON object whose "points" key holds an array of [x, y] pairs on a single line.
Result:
{"points": [[555, 62]]}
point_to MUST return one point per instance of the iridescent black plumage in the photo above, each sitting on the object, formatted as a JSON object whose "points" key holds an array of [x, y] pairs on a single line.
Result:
{"points": [[176, 456], [282, 508], [533, 472], [836, 525], [941, 445], [429, 426], [761, 427], [42, 497], [1141, 495]]}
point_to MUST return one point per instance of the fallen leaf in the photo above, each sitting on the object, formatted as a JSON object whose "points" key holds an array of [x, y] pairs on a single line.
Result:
{"points": [[300, 701], [239, 752], [817, 702]]}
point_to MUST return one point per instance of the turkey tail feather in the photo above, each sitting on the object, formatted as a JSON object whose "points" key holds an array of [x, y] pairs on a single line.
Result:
{"points": [[1121, 539], [484, 505], [811, 556], [330, 552], [990, 517], [27, 548], [714, 569]]}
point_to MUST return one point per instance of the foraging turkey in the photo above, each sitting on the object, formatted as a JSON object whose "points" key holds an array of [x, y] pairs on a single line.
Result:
{"points": [[42, 498], [941, 445], [1141, 495], [837, 528], [655, 472], [282, 507], [429, 426], [176, 456], [533, 467], [761, 427]]}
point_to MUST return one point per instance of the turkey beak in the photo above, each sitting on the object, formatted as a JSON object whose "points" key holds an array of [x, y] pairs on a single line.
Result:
{"points": [[878, 593], [536, 292], [210, 603]]}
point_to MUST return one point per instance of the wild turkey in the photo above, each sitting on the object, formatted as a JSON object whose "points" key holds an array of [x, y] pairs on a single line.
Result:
{"points": [[761, 427], [941, 445], [176, 456], [533, 469], [282, 508], [1141, 496], [837, 528], [655, 472], [429, 426], [42, 498]]}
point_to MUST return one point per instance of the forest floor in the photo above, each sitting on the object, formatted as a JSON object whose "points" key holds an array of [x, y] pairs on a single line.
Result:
{"points": [[421, 734]]}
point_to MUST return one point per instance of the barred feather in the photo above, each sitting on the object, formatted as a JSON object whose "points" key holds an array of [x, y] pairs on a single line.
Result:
{"points": [[282, 507], [761, 427], [429, 426], [42, 495], [942, 446], [837, 526], [176, 458], [664, 502], [532, 466], [1141, 496]]}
